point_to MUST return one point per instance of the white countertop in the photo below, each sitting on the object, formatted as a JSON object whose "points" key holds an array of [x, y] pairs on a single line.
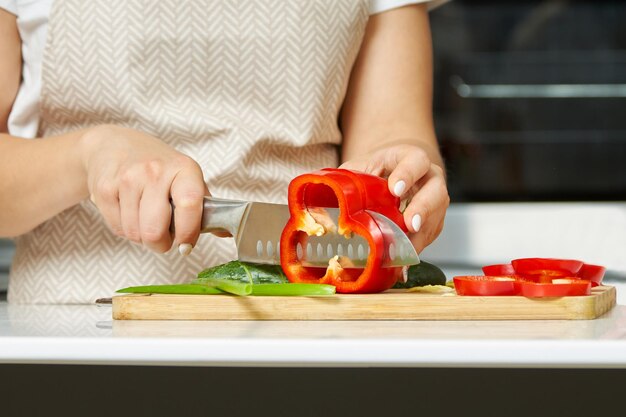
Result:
{"points": [[86, 334], [475, 234]]}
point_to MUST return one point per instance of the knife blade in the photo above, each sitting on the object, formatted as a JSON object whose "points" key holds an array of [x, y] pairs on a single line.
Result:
{"points": [[257, 227]]}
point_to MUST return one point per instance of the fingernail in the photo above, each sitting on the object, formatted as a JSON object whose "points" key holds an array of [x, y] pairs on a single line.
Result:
{"points": [[398, 189], [185, 249], [416, 222]]}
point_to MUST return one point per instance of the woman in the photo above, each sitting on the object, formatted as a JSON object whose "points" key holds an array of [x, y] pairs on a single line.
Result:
{"points": [[139, 103]]}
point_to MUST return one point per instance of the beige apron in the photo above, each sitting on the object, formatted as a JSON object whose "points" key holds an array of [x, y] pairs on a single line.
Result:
{"points": [[250, 89]]}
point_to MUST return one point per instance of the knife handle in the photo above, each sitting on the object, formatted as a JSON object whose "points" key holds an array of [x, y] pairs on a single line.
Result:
{"points": [[219, 215]]}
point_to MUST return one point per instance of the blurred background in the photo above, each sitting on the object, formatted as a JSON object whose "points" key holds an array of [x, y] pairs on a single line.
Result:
{"points": [[529, 99], [530, 111]]}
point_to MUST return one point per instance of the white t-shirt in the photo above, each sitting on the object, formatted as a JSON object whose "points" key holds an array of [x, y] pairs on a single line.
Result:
{"points": [[32, 22]]}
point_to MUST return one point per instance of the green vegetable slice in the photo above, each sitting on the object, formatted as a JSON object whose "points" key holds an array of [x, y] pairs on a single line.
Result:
{"points": [[293, 289], [234, 288], [246, 272], [239, 278], [229, 285], [171, 289]]}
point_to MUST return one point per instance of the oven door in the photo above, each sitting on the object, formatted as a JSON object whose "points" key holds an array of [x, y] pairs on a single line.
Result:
{"points": [[530, 99]]}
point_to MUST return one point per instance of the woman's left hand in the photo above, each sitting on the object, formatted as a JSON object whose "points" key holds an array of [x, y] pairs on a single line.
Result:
{"points": [[413, 177]]}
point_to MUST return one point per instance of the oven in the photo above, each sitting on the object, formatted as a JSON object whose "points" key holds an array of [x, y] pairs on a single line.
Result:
{"points": [[530, 99], [530, 112]]}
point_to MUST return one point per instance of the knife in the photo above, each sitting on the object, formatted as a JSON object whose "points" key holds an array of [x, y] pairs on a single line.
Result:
{"points": [[257, 227]]}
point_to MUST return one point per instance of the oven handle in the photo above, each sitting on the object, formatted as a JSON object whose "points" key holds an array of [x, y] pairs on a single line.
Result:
{"points": [[465, 90]]}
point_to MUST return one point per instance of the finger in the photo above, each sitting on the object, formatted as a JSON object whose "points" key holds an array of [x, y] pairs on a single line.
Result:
{"points": [[428, 233], [354, 165], [375, 166], [187, 192], [431, 200], [130, 195], [154, 217], [370, 164], [106, 198], [407, 165]]}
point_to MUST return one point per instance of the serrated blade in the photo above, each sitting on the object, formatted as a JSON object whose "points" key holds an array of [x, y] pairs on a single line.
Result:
{"points": [[258, 239]]}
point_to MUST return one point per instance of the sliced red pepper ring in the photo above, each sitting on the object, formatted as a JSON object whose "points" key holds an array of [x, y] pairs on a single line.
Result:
{"points": [[533, 277], [485, 285], [593, 273], [544, 269], [559, 287], [499, 270], [547, 267], [353, 193]]}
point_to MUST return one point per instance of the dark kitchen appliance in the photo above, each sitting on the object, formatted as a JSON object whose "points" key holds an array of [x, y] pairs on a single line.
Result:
{"points": [[530, 99]]}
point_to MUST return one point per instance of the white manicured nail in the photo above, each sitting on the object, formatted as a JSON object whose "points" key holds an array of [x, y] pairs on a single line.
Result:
{"points": [[398, 189], [416, 222], [185, 249]]}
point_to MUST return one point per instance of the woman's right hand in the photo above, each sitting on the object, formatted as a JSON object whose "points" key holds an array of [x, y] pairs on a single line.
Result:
{"points": [[131, 177]]}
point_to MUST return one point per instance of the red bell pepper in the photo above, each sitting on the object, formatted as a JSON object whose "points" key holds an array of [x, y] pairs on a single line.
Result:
{"points": [[353, 193], [490, 286], [544, 269], [533, 277], [593, 273], [485, 285], [499, 270], [559, 287], [547, 267]]}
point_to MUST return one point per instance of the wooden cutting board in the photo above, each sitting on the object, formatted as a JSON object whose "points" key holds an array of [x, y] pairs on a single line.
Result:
{"points": [[390, 305]]}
